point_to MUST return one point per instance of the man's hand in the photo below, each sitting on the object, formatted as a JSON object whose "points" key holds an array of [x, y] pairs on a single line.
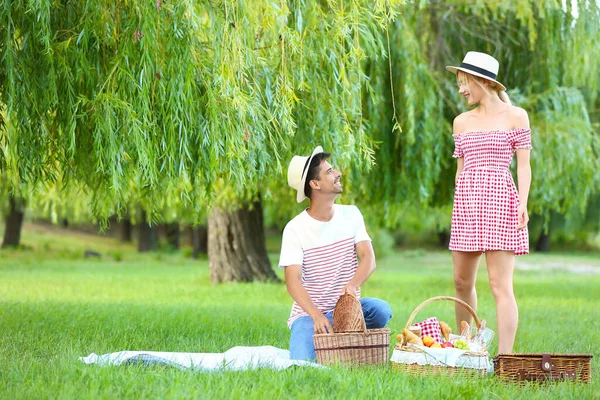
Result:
{"points": [[523, 217], [350, 288], [321, 324]]}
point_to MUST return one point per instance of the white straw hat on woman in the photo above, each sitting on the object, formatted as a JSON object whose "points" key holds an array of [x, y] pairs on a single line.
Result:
{"points": [[481, 65]]}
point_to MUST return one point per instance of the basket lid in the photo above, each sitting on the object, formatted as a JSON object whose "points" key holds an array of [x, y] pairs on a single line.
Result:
{"points": [[348, 315]]}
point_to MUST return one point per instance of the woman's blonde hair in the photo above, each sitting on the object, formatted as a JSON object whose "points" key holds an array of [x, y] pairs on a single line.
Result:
{"points": [[491, 85]]}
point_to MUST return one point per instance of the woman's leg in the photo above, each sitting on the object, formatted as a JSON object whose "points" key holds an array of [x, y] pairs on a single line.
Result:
{"points": [[465, 273], [500, 265]]}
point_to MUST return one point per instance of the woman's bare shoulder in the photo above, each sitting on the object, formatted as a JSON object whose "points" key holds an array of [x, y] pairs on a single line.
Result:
{"points": [[461, 122], [518, 117]]}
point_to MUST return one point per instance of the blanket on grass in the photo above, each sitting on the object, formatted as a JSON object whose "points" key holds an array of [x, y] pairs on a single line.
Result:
{"points": [[235, 359]]}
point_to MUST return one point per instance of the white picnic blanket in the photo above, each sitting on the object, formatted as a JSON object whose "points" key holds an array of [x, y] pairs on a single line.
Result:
{"points": [[235, 359]]}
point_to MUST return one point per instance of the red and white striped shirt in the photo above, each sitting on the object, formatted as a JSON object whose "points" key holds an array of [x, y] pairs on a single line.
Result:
{"points": [[327, 253]]}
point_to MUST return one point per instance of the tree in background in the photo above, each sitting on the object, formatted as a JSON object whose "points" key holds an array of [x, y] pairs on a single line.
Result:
{"points": [[205, 104], [180, 96]]}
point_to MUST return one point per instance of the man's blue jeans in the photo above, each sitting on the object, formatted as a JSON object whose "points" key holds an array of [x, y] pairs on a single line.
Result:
{"points": [[377, 314]]}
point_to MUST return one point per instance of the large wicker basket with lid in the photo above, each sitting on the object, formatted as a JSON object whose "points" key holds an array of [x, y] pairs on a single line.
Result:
{"points": [[351, 342]]}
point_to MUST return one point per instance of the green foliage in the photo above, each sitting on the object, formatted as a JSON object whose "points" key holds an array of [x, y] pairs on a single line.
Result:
{"points": [[153, 103], [172, 107], [117, 256], [383, 243], [548, 60], [567, 152]]}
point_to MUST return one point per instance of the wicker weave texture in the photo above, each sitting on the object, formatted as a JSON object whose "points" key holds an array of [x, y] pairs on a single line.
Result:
{"points": [[348, 315], [420, 370], [360, 348], [508, 366]]}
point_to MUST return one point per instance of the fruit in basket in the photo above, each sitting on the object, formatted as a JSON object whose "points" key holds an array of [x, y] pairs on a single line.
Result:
{"points": [[447, 344], [446, 330], [436, 346], [428, 341], [461, 344], [411, 337]]}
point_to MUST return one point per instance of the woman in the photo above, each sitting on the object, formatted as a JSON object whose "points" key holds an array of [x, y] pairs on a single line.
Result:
{"points": [[489, 214]]}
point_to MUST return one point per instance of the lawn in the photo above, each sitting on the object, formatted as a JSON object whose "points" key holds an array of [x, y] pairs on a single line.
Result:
{"points": [[57, 306]]}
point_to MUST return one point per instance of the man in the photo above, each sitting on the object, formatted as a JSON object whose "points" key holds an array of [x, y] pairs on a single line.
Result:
{"points": [[319, 255]]}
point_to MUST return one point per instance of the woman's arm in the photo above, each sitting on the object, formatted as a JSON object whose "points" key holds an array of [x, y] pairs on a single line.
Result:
{"points": [[460, 163], [521, 120], [457, 127]]}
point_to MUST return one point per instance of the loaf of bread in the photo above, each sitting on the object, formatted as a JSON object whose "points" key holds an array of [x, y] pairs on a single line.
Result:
{"points": [[446, 330], [411, 337]]}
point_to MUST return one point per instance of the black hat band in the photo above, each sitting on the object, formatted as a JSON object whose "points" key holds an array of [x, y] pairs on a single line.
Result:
{"points": [[478, 70]]}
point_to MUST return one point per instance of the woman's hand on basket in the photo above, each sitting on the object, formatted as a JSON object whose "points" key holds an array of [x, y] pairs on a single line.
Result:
{"points": [[321, 324]]}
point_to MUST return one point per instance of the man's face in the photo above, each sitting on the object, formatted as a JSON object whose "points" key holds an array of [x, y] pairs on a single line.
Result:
{"points": [[329, 179]]}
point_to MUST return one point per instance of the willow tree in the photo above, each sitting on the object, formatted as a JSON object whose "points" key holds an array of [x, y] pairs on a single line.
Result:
{"points": [[549, 56], [183, 98]]}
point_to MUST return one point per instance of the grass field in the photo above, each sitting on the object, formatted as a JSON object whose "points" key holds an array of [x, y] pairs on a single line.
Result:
{"points": [[55, 306]]}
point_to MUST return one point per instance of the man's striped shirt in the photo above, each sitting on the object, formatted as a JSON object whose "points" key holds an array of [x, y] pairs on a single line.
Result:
{"points": [[326, 251]]}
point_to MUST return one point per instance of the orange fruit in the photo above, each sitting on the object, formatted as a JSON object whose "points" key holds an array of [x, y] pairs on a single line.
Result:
{"points": [[428, 341]]}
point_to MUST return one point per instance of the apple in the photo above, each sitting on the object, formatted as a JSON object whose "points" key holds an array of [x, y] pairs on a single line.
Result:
{"points": [[447, 344]]}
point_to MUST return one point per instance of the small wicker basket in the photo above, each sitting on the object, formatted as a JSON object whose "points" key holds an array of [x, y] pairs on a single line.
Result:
{"points": [[364, 347], [474, 362], [543, 367]]}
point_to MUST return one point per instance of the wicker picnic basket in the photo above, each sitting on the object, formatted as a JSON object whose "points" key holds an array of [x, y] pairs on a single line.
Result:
{"points": [[543, 367], [472, 362], [357, 345]]}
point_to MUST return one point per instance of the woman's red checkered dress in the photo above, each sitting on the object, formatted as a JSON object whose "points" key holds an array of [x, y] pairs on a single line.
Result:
{"points": [[485, 213]]}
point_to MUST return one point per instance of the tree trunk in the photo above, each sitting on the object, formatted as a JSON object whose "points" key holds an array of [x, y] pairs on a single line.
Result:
{"points": [[147, 235], [125, 231], [14, 222], [172, 234], [543, 242], [444, 238], [199, 241], [236, 246]]}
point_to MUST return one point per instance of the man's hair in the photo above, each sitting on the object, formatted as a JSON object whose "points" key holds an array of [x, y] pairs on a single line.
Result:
{"points": [[313, 171]]}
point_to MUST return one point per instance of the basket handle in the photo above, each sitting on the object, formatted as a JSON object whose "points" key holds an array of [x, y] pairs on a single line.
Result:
{"points": [[438, 298]]}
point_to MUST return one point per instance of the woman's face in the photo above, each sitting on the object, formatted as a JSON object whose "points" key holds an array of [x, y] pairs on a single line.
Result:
{"points": [[469, 88]]}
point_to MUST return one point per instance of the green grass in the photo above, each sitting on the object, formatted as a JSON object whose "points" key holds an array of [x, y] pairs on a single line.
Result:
{"points": [[56, 306]]}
